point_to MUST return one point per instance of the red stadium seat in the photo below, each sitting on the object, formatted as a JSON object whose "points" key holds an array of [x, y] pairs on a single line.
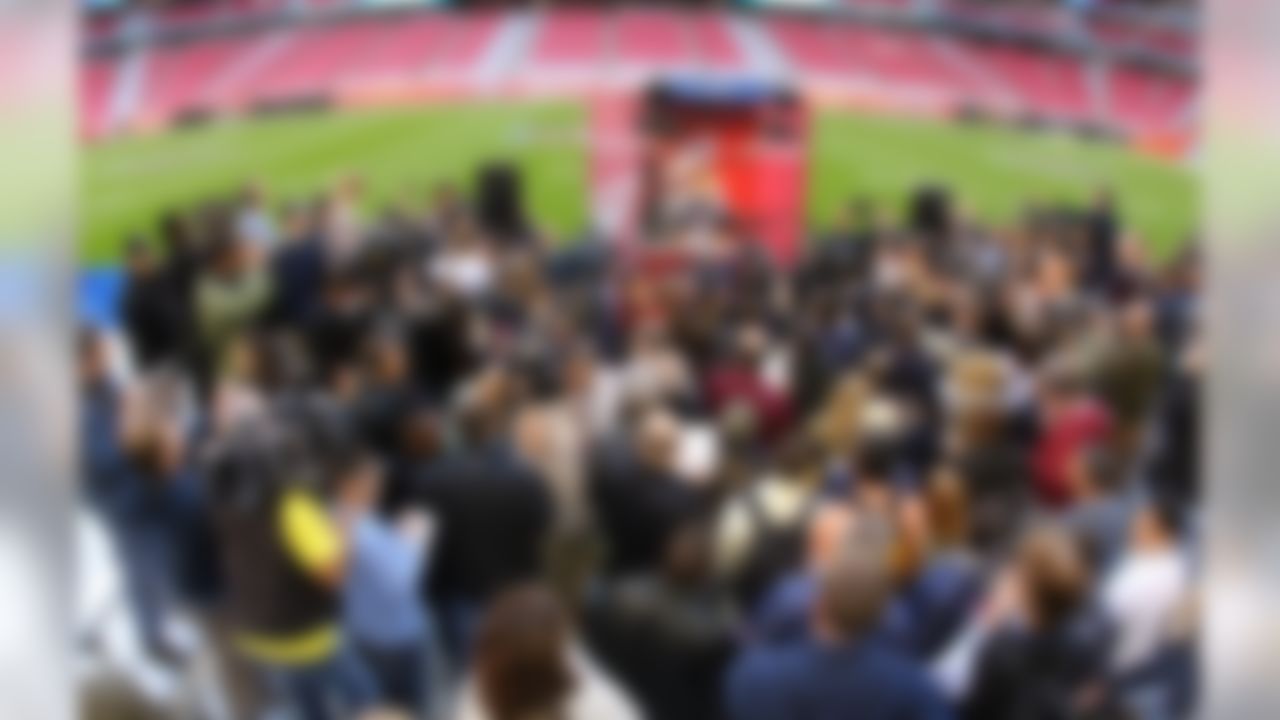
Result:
{"points": [[180, 77], [652, 38], [403, 48], [313, 59], [1144, 102], [570, 37], [905, 58], [467, 39], [713, 42], [97, 78], [1044, 83], [812, 46]]}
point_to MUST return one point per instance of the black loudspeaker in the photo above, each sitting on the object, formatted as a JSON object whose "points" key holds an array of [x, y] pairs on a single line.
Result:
{"points": [[500, 202], [930, 213]]}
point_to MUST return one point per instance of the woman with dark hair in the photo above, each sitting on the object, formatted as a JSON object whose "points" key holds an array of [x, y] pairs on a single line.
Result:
{"points": [[527, 666], [668, 634], [1048, 655]]}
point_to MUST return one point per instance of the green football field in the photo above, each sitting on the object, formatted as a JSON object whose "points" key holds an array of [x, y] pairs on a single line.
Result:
{"points": [[401, 153]]}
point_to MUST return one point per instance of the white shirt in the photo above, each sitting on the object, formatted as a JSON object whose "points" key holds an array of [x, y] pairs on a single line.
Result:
{"points": [[698, 453], [469, 273], [1142, 597]]}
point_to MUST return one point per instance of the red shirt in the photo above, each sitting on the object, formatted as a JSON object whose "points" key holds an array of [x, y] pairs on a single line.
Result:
{"points": [[730, 384], [1075, 428]]}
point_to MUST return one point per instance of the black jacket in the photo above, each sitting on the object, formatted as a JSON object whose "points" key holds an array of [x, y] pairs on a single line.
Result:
{"points": [[494, 513], [335, 338], [153, 315], [1053, 674], [297, 272], [669, 645], [639, 507]]}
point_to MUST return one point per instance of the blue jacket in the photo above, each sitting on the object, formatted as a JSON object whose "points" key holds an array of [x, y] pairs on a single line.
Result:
{"points": [[101, 460], [859, 681], [298, 272], [381, 597], [782, 616]]}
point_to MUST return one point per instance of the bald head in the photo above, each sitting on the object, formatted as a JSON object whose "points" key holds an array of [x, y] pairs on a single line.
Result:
{"points": [[851, 599]]}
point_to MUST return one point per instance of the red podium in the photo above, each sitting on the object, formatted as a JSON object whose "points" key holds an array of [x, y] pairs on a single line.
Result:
{"points": [[735, 149]]}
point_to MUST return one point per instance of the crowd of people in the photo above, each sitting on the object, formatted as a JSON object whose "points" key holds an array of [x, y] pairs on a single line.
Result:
{"points": [[430, 464]]}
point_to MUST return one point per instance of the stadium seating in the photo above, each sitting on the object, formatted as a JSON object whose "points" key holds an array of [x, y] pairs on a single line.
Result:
{"points": [[1044, 83], [906, 58], [101, 27], [231, 71], [1130, 29], [1145, 102], [903, 60], [570, 37], [313, 60], [880, 4], [812, 46], [180, 77], [310, 61], [713, 43], [96, 81], [1151, 38], [1026, 17], [646, 39], [652, 38], [405, 46], [467, 38]]}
